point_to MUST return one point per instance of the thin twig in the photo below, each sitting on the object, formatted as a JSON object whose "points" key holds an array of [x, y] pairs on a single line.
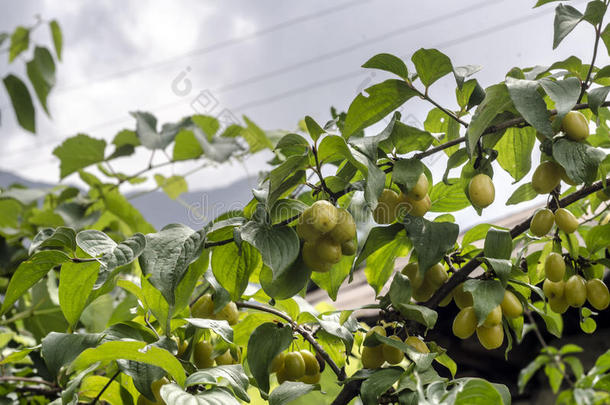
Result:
{"points": [[99, 395], [586, 83], [425, 96], [26, 380]]}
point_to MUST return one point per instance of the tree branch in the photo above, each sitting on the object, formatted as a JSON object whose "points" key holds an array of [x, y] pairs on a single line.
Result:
{"points": [[26, 380], [300, 330], [425, 96]]}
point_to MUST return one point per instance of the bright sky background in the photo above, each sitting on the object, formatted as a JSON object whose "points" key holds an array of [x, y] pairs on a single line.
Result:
{"points": [[273, 61]]}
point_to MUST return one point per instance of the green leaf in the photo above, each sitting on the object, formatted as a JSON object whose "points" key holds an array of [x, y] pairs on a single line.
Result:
{"points": [[400, 289], [76, 281], [313, 128], [378, 237], [408, 139], [580, 160], [131, 350], [333, 147], [57, 37], [389, 63], [113, 255], [112, 391], [256, 137], [552, 320], [117, 204], [167, 256], [477, 391], [280, 177], [431, 65], [606, 37], [278, 245], [292, 144], [234, 375], [595, 11], [285, 209], [515, 151], [496, 101], [29, 273], [381, 99], [288, 391], [59, 238], [564, 93], [597, 97], [20, 41], [267, 341], [186, 146], [422, 360], [502, 268], [173, 186], [375, 183], [233, 265], [288, 284], [448, 198], [486, 294], [333, 279], [566, 19], [542, 2], [371, 145], [529, 102], [221, 328], [498, 244], [21, 101], [209, 125], [462, 72], [407, 171], [457, 158], [530, 370], [78, 152], [60, 349], [525, 192], [431, 240], [380, 263], [598, 238], [418, 313], [378, 383], [41, 72], [172, 394]]}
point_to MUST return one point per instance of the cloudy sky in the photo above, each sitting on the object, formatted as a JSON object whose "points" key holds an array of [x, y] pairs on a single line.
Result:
{"points": [[274, 61]]}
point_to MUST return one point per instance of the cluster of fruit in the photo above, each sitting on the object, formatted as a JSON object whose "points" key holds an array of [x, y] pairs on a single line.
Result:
{"points": [[375, 356], [203, 355], [328, 232], [425, 285], [489, 332], [204, 308], [296, 366], [391, 205], [544, 218]]}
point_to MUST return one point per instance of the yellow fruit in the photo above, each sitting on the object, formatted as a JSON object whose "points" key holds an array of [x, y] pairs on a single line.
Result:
{"points": [[575, 126], [385, 212], [182, 346], [565, 220], [546, 177], [311, 259], [597, 294], [424, 292], [411, 270], [417, 208], [447, 300], [436, 276], [542, 222], [372, 356], [294, 366], [324, 216], [155, 387], [311, 379], [281, 376], [420, 190], [349, 248], [558, 304], [226, 358], [345, 230], [465, 323], [378, 329], [481, 191], [511, 306], [575, 291], [417, 344], [462, 298], [202, 354], [494, 317], [565, 178], [312, 366], [490, 338], [307, 232], [328, 250], [278, 362], [391, 354], [553, 289], [554, 267], [229, 313], [203, 307]]}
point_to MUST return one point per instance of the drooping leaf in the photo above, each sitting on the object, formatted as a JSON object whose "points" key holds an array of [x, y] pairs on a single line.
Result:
{"points": [[333, 279], [76, 280], [59, 349], [524, 192], [418, 313], [232, 266], [580, 160], [431, 240], [110, 254], [380, 263], [566, 19], [515, 151], [267, 340], [41, 72], [378, 237], [486, 294], [498, 244], [20, 41], [496, 101], [564, 93], [57, 37], [529, 102], [61, 237], [21, 101], [221, 328], [288, 391]]}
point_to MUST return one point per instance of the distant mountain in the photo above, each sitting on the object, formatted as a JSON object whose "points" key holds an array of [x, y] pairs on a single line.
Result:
{"points": [[198, 209]]}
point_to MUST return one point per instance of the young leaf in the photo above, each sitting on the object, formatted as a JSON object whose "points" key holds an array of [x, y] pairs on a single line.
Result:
{"points": [[313, 128], [267, 341], [172, 186], [78, 152], [566, 19], [21, 101], [20, 41], [389, 63], [186, 146], [515, 151], [57, 37]]}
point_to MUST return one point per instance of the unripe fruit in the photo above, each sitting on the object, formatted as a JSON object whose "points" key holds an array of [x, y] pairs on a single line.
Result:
{"points": [[229, 313], [306, 231], [328, 250], [558, 304], [324, 216], [202, 354], [378, 329], [311, 378], [575, 126], [420, 190], [554, 267], [417, 208], [542, 222], [481, 191], [424, 292], [281, 375], [465, 323], [511, 306], [417, 344], [436, 276], [575, 291], [565, 220], [278, 362], [411, 270], [546, 177], [597, 294], [372, 356], [462, 298], [225, 359], [203, 307], [311, 363], [390, 353], [311, 259], [553, 289], [349, 248], [155, 387], [447, 300], [294, 366], [494, 317], [565, 178], [490, 338], [386, 210], [345, 230]]}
